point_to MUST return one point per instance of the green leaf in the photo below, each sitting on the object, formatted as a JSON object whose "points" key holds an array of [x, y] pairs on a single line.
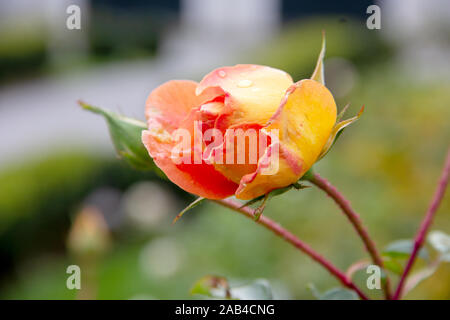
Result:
{"points": [[440, 241], [403, 249], [314, 291], [363, 265], [393, 265], [319, 72], [216, 287], [359, 265], [338, 129], [126, 136], [417, 277], [259, 210], [258, 289], [189, 207], [212, 287], [339, 294], [333, 294]]}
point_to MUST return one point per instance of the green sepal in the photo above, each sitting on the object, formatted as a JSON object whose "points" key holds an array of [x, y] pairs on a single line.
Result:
{"points": [[266, 197], [337, 131], [126, 136], [189, 207], [318, 74], [308, 176]]}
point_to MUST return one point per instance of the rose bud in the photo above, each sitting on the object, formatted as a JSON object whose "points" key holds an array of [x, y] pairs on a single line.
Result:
{"points": [[226, 106]]}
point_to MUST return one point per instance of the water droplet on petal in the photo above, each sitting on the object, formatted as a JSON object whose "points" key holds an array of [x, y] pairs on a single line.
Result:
{"points": [[245, 83], [222, 74]]}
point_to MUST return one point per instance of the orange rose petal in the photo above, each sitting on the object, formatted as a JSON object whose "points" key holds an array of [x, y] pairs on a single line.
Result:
{"points": [[171, 106], [304, 121], [253, 92], [256, 183], [172, 101], [200, 179], [243, 148]]}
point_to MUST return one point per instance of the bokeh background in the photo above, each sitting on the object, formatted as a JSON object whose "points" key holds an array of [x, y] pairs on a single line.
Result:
{"points": [[66, 199]]}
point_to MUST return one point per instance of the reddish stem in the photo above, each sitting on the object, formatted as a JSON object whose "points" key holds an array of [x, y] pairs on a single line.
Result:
{"points": [[426, 223], [354, 218], [296, 242]]}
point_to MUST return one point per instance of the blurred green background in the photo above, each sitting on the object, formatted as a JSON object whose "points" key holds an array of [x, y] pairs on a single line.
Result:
{"points": [[387, 164]]}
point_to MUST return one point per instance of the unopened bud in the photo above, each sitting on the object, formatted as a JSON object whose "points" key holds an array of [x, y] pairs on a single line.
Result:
{"points": [[89, 233]]}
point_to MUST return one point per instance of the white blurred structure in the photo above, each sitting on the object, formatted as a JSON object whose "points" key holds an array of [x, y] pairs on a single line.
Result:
{"points": [[420, 30], [214, 30], [40, 114], [49, 17], [229, 18], [161, 258], [65, 44], [148, 206]]}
